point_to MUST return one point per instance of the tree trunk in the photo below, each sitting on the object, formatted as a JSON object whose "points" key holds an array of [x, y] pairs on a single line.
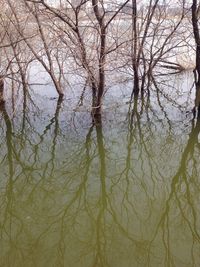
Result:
{"points": [[197, 68], [1, 90], [102, 57], [101, 71], [197, 38], [135, 48]]}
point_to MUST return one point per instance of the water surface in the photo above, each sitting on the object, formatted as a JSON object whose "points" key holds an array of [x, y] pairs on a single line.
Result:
{"points": [[123, 193]]}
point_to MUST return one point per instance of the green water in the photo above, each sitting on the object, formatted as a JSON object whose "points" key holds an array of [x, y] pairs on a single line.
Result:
{"points": [[124, 193]]}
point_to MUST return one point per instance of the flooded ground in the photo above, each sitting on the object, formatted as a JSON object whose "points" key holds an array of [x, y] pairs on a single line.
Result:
{"points": [[124, 193]]}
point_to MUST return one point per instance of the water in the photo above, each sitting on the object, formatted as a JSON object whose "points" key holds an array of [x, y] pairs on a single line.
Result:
{"points": [[124, 193]]}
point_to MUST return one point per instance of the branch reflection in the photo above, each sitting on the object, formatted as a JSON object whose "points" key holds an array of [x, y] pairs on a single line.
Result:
{"points": [[124, 194]]}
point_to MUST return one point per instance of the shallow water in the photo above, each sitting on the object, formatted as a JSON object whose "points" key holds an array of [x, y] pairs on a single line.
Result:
{"points": [[124, 193]]}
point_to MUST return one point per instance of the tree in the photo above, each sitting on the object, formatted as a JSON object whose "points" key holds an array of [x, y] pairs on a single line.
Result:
{"points": [[195, 24]]}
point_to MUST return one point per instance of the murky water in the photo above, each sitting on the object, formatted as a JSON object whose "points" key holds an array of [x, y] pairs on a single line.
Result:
{"points": [[124, 193]]}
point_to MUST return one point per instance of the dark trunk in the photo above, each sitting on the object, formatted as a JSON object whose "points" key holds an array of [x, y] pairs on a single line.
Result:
{"points": [[101, 70], [1, 90], [134, 48], [102, 57], [197, 68], [197, 38]]}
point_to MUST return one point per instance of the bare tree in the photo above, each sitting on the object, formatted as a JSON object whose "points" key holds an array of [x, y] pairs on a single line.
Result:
{"points": [[195, 23], [94, 39]]}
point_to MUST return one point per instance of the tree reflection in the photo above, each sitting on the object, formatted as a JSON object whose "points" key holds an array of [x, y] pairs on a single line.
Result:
{"points": [[183, 186], [108, 195]]}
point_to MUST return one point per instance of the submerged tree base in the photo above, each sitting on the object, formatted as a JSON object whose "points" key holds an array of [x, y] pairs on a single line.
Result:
{"points": [[96, 118]]}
